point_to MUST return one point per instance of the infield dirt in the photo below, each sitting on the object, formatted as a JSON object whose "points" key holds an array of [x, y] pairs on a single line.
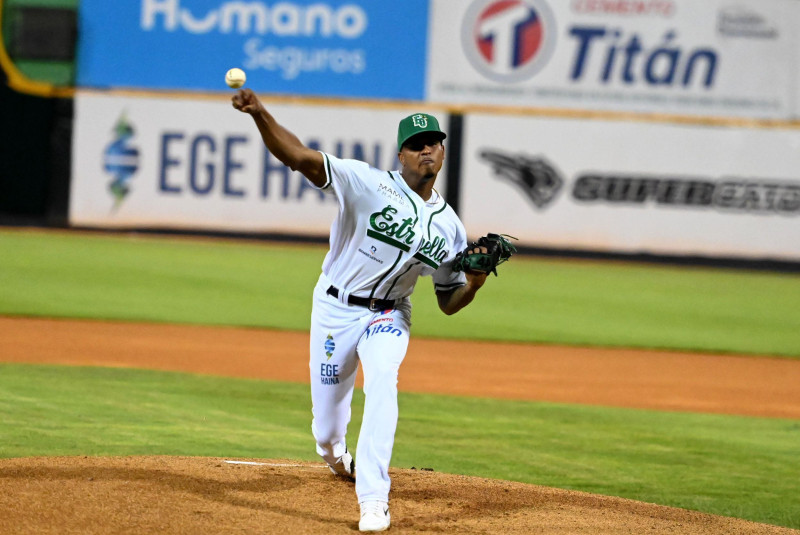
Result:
{"points": [[205, 495]]}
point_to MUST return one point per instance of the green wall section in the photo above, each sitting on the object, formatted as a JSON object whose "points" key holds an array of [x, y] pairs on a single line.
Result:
{"points": [[61, 73]]}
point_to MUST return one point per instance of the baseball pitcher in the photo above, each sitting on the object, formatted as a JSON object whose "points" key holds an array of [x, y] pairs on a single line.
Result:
{"points": [[391, 228]]}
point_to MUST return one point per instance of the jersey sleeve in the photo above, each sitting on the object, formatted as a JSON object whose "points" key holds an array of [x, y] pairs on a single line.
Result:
{"points": [[343, 176], [444, 278]]}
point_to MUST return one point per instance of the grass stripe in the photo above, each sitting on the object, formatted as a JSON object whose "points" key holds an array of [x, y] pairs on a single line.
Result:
{"points": [[268, 285]]}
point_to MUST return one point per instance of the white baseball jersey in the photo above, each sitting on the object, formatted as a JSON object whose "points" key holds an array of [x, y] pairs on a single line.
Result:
{"points": [[385, 236]]}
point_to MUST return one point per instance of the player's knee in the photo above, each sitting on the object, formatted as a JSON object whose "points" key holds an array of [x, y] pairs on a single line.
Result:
{"points": [[386, 369], [383, 378], [325, 435]]}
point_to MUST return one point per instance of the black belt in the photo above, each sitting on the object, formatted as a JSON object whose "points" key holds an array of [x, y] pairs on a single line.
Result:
{"points": [[372, 304]]}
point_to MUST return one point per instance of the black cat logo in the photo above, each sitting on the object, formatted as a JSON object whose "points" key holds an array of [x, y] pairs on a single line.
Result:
{"points": [[534, 176]]}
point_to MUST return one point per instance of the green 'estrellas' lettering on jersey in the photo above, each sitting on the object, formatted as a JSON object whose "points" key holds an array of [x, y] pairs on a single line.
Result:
{"points": [[386, 239], [425, 260], [398, 234], [432, 252]]}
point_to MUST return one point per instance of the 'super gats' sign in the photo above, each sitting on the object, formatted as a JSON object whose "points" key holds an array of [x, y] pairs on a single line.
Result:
{"points": [[636, 187], [708, 58], [302, 47]]}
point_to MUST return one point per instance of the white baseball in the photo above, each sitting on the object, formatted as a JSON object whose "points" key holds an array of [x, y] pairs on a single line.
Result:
{"points": [[235, 78]]}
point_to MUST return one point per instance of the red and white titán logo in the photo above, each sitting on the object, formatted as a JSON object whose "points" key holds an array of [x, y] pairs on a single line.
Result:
{"points": [[508, 40]]}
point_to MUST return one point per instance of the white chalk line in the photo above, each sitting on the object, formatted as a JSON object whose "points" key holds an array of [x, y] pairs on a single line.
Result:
{"points": [[253, 463]]}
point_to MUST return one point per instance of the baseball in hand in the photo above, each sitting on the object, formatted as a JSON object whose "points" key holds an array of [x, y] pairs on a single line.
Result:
{"points": [[235, 78]]}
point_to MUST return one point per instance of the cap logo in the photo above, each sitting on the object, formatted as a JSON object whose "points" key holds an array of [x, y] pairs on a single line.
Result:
{"points": [[420, 121]]}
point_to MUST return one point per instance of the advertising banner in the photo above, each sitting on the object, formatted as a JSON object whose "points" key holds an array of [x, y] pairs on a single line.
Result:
{"points": [[713, 58], [342, 48], [633, 187], [200, 164]]}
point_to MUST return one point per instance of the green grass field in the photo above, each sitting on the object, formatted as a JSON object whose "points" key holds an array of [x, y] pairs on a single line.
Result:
{"points": [[268, 285], [736, 466]]}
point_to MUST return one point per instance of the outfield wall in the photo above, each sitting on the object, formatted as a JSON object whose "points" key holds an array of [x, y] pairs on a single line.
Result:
{"points": [[634, 187], [707, 58], [199, 164], [704, 58], [667, 127], [566, 183]]}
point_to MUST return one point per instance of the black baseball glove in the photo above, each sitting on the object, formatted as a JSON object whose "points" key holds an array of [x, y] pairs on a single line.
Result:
{"points": [[498, 250]]}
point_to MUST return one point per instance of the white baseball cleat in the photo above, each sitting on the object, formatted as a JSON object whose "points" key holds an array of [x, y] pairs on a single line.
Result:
{"points": [[345, 467], [374, 516]]}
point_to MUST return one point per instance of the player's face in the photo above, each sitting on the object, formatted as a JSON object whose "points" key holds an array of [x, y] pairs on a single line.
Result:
{"points": [[423, 154]]}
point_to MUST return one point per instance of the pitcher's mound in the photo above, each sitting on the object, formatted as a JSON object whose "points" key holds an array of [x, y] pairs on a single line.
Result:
{"points": [[198, 495]]}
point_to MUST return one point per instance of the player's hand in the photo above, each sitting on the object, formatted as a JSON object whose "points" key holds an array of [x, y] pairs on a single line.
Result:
{"points": [[485, 254], [246, 101], [475, 279], [478, 249]]}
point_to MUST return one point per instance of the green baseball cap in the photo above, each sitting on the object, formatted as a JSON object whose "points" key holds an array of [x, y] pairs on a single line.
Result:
{"points": [[416, 124]]}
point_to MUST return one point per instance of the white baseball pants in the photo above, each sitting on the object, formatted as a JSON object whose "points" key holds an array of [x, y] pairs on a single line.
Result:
{"points": [[341, 336]]}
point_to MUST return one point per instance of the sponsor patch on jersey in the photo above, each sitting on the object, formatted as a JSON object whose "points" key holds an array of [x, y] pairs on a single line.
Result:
{"points": [[329, 374], [391, 193], [330, 346], [371, 256], [388, 329], [383, 320]]}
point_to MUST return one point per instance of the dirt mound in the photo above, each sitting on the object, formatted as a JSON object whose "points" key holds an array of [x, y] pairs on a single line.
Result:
{"points": [[200, 495]]}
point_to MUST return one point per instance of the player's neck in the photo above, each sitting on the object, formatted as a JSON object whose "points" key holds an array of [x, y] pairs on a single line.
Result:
{"points": [[421, 185]]}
